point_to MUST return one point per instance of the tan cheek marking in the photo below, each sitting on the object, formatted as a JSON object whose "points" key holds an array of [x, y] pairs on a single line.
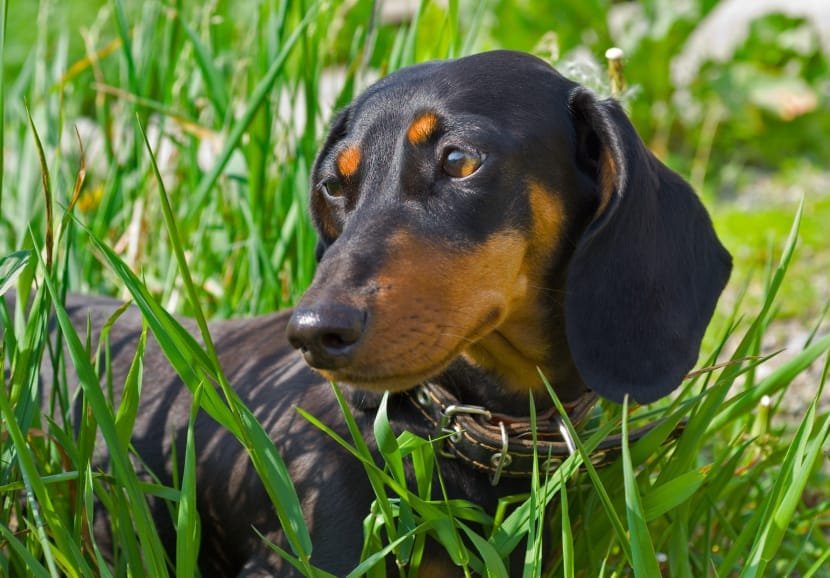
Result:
{"points": [[348, 161], [422, 128], [522, 341], [461, 282], [432, 302], [548, 220]]}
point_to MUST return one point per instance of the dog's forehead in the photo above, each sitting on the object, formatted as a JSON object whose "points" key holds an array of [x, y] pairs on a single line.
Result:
{"points": [[499, 85]]}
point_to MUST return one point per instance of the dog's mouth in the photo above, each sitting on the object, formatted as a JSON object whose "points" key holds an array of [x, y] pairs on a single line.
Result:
{"points": [[398, 370]]}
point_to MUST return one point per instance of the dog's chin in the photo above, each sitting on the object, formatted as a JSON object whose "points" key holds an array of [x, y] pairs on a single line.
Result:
{"points": [[380, 383]]}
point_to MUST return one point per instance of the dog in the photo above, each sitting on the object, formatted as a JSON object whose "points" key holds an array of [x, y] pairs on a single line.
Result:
{"points": [[481, 221]]}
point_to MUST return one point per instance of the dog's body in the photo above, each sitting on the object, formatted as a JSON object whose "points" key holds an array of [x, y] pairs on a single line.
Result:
{"points": [[478, 219], [272, 380]]}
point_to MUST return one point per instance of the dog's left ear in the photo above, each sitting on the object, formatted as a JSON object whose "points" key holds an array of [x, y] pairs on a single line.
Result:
{"points": [[648, 270]]}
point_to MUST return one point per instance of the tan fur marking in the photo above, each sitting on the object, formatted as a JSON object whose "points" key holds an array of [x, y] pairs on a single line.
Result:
{"points": [[548, 219], [422, 128], [521, 342], [348, 161], [430, 303], [607, 180]]}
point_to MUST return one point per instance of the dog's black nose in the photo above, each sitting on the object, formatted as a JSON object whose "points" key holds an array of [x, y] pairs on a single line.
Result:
{"points": [[327, 334]]}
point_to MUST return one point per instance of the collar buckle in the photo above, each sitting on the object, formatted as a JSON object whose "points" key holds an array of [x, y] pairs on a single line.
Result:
{"points": [[447, 424]]}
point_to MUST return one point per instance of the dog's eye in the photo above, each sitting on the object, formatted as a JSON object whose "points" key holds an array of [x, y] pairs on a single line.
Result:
{"points": [[332, 188], [459, 163]]}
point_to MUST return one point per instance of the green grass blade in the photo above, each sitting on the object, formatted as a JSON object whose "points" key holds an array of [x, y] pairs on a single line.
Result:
{"points": [[188, 529], [680, 545], [820, 565], [780, 377], [153, 552], [293, 560], [644, 559], [375, 479], [492, 560], [89, 509], [567, 531], [4, 14], [32, 564], [377, 557], [178, 345], [46, 181], [128, 408], [387, 442], [390, 450], [667, 497], [178, 251], [475, 27], [11, 266], [214, 83], [35, 488], [602, 493], [126, 44], [791, 481]]}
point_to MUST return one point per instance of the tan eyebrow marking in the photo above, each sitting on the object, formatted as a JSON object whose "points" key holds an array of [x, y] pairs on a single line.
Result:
{"points": [[348, 161], [422, 128]]}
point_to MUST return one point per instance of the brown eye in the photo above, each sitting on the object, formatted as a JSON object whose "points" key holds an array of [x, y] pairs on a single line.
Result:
{"points": [[459, 163], [332, 188]]}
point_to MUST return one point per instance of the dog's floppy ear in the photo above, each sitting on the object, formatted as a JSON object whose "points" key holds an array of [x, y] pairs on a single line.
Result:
{"points": [[321, 215], [647, 272]]}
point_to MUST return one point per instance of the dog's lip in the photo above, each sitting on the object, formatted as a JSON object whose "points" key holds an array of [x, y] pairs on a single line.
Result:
{"points": [[392, 383]]}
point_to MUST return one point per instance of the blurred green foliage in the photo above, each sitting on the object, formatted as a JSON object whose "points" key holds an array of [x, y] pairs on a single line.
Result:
{"points": [[761, 107], [769, 96]]}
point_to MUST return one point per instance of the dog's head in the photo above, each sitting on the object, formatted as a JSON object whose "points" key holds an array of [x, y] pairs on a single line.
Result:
{"points": [[489, 208]]}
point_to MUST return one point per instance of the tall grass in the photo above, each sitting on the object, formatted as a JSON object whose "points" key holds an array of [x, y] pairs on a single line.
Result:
{"points": [[198, 124]]}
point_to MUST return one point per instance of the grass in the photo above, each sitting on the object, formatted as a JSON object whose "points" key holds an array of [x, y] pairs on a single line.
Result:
{"points": [[207, 121]]}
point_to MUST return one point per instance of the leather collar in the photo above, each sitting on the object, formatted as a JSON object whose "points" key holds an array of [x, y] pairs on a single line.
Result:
{"points": [[501, 444]]}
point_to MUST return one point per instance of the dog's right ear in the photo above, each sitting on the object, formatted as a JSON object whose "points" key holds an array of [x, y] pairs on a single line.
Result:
{"points": [[321, 217]]}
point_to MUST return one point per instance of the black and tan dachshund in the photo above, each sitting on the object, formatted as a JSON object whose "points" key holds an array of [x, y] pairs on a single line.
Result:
{"points": [[479, 220]]}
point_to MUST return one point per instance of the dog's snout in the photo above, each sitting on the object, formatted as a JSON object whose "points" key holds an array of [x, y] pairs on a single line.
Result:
{"points": [[327, 334]]}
